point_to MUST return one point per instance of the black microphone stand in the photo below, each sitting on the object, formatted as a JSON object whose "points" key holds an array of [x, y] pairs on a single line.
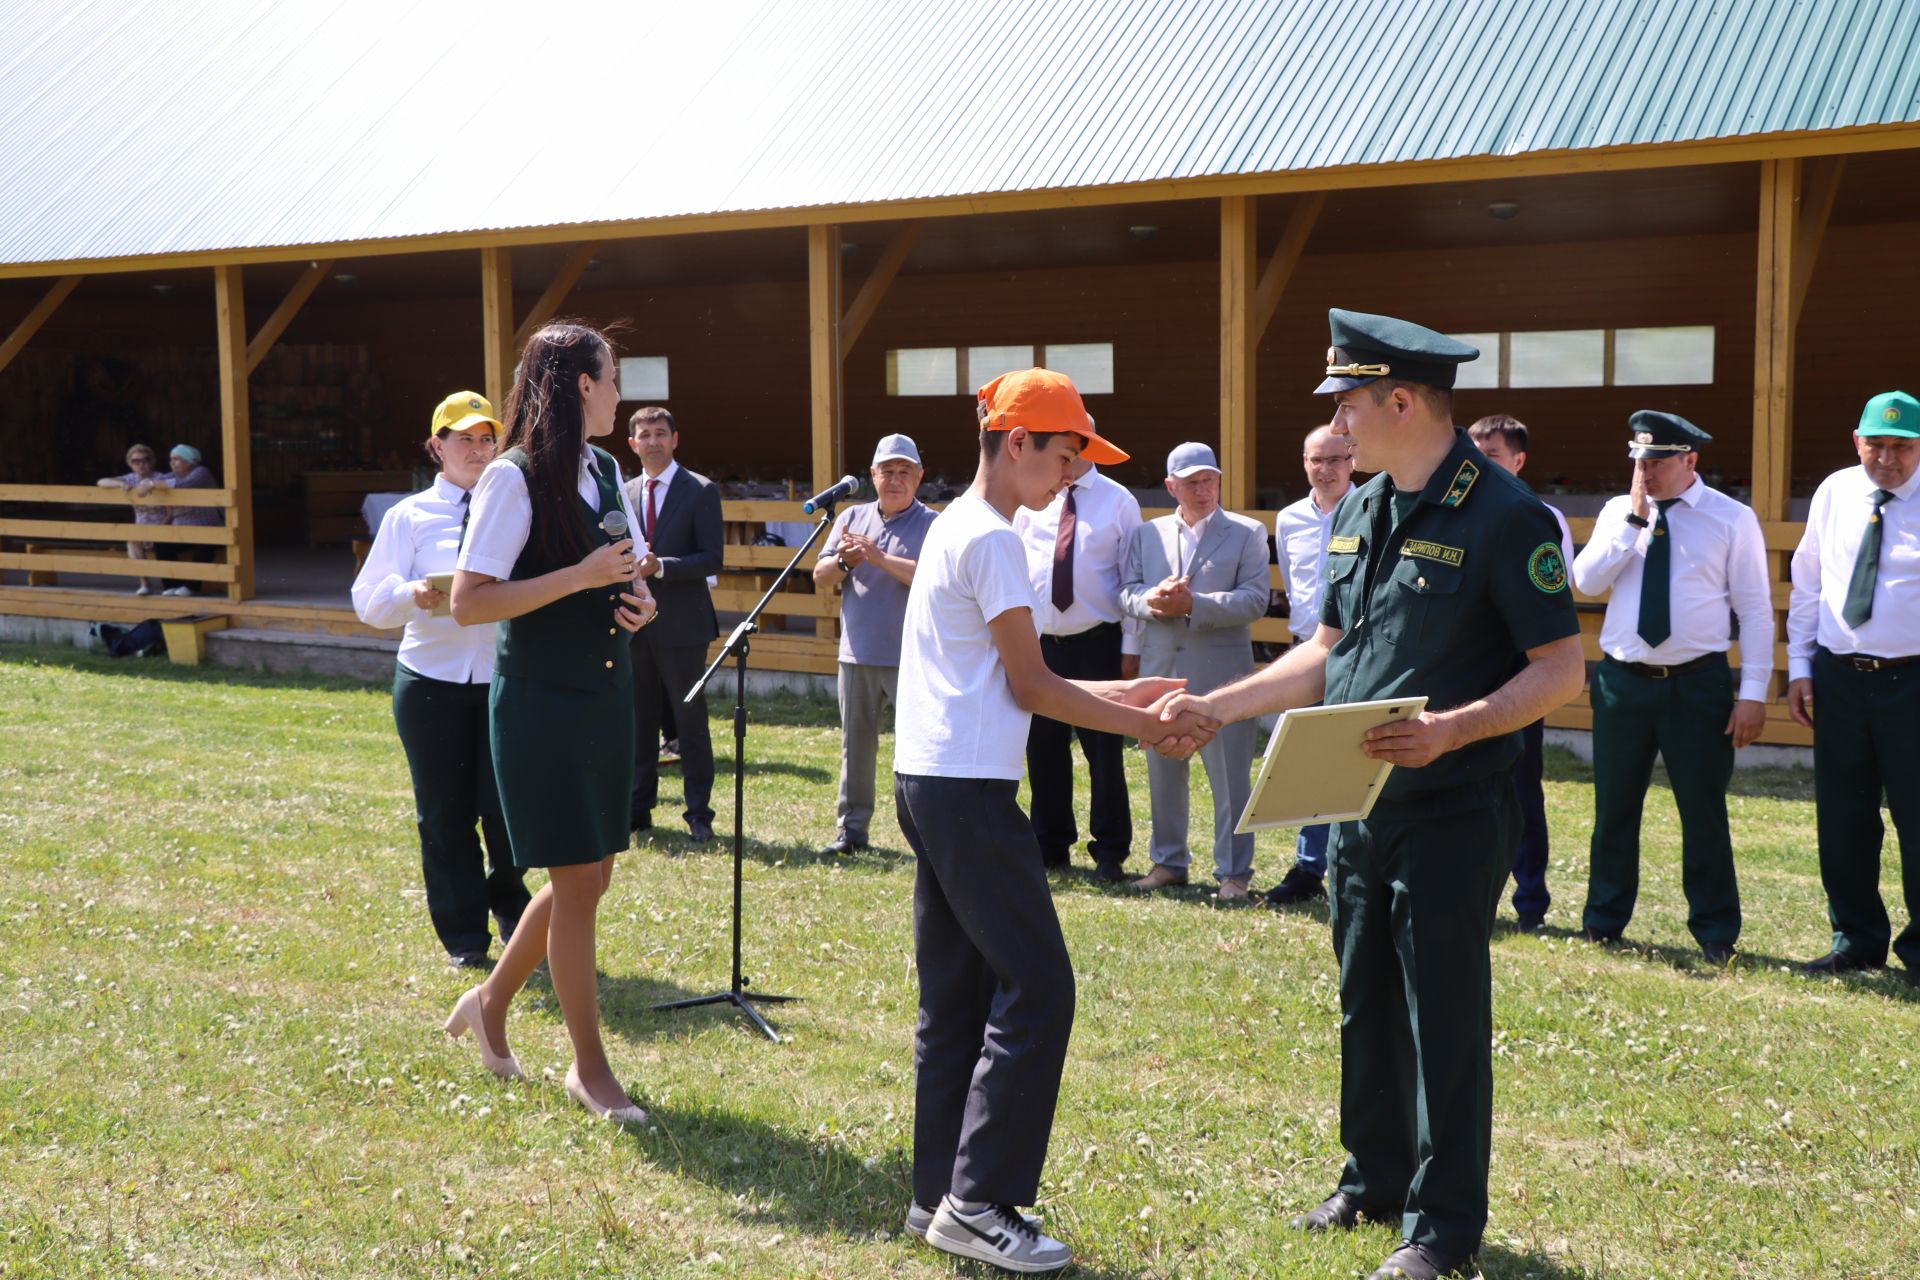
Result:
{"points": [[737, 994]]}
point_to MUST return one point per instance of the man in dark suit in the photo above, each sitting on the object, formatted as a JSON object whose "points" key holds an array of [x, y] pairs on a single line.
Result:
{"points": [[680, 518]]}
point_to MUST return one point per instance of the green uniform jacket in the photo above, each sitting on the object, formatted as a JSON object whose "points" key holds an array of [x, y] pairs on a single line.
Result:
{"points": [[1446, 603]]}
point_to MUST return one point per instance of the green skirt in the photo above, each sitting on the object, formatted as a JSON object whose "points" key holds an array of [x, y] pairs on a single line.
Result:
{"points": [[563, 759]]}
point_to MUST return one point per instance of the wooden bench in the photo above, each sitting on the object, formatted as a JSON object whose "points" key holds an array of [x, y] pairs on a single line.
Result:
{"points": [[187, 637]]}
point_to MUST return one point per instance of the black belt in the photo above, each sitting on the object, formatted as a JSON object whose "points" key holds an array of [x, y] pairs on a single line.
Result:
{"points": [[1093, 630], [1653, 671], [1867, 662]]}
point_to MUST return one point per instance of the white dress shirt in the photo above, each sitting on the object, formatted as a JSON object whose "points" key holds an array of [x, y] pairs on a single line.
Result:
{"points": [[1300, 531], [503, 514], [1719, 568], [420, 535], [663, 482], [1823, 569], [1105, 516], [1191, 536]]}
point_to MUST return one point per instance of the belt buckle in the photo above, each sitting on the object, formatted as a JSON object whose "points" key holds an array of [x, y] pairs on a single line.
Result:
{"points": [[1865, 664], [1659, 672]]}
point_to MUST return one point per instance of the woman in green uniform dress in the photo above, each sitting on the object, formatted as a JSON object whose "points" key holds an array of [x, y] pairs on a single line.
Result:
{"points": [[548, 558]]}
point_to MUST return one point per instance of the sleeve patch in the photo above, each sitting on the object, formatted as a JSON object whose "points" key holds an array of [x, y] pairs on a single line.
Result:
{"points": [[1547, 568]]}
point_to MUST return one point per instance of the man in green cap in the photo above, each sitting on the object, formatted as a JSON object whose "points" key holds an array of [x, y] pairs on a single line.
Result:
{"points": [[1444, 577], [1682, 560], [1853, 646]]}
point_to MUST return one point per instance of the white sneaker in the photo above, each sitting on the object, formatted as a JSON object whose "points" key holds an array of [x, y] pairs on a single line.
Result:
{"points": [[920, 1217], [143, 590], [996, 1234], [177, 591]]}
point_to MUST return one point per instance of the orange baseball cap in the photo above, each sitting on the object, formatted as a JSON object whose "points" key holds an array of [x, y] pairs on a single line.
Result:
{"points": [[1043, 400]]}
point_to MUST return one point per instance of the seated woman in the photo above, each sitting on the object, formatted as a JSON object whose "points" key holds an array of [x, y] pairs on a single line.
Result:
{"points": [[440, 681], [140, 480]]}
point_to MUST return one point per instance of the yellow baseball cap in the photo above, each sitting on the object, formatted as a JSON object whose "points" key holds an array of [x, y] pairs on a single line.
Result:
{"points": [[461, 410]]}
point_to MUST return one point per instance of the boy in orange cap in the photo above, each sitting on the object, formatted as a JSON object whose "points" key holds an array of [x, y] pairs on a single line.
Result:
{"points": [[996, 986]]}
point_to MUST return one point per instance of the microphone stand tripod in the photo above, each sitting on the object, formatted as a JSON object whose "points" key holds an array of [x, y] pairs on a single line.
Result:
{"points": [[736, 993]]}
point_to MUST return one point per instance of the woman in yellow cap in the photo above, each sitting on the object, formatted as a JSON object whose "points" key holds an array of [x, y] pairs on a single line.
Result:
{"points": [[440, 682], [549, 558]]}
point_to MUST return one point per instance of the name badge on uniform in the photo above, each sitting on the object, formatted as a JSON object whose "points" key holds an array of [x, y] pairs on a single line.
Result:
{"points": [[1433, 551], [1344, 545]]}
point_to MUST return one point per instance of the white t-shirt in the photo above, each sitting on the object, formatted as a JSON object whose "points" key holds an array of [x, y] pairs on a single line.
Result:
{"points": [[955, 716]]}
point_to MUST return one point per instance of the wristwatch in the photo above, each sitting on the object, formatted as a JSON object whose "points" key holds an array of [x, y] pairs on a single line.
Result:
{"points": [[842, 562], [1637, 521]]}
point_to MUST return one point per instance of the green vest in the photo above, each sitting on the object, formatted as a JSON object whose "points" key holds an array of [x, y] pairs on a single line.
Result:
{"points": [[573, 642]]}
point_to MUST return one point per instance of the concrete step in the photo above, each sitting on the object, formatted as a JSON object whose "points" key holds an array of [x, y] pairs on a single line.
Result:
{"points": [[367, 658]]}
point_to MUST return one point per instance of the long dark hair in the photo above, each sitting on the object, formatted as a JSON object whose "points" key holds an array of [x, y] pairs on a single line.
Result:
{"points": [[545, 418]]}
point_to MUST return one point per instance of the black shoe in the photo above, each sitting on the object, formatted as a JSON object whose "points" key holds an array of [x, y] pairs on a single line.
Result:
{"points": [[467, 960], [1835, 963], [1338, 1212], [1530, 924], [1912, 977], [1110, 872], [1605, 937], [641, 821], [842, 842], [1717, 953], [699, 831], [1296, 886], [1419, 1262], [1057, 861]]}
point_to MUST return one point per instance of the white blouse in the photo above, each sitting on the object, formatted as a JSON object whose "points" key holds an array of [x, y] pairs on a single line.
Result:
{"points": [[421, 535], [503, 515]]}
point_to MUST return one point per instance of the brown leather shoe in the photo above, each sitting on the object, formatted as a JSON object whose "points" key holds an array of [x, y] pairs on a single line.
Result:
{"points": [[1338, 1212], [1232, 889], [1160, 878], [1419, 1262]]}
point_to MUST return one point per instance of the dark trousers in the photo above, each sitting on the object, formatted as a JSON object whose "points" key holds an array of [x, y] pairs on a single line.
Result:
{"points": [[1530, 896], [1866, 740], [1412, 898], [187, 551], [1683, 719], [996, 992], [443, 728], [1093, 654], [662, 674]]}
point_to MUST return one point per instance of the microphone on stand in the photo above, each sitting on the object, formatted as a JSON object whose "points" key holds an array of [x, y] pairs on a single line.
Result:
{"points": [[847, 487]]}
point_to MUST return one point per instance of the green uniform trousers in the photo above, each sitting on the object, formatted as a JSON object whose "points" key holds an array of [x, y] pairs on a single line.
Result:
{"points": [[1412, 893], [1866, 738], [1683, 719]]}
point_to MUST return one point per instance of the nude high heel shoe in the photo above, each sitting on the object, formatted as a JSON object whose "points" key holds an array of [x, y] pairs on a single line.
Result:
{"points": [[465, 1018], [619, 1115]]}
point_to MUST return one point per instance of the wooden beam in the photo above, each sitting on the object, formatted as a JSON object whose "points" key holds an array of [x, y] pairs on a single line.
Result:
{"points": [[823, 347], [1773, 339], [284, 313], [874, 287], [236, 434], [556, 293], [121, 566], [23, 332], [98, 531], [1238, 339], [1819, 185], [1741, 150], [89, 495], [496, 322], [1286, 256]]}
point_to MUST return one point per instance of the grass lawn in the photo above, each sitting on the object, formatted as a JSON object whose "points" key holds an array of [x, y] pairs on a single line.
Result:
{"points": [[220, 1007]]}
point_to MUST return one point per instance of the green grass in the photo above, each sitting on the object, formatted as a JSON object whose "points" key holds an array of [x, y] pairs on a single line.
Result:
{"points": [[220, 1051]]}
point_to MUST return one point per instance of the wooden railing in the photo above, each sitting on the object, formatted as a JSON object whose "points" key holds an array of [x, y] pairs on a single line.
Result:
{"points": [[47, 547]]}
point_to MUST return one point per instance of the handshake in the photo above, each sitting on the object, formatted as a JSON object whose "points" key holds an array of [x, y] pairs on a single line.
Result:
{"points": [[1179, 723]]}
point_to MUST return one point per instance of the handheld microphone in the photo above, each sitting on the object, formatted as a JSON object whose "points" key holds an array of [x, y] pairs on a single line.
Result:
{"points": [[615, 523], [827, 497]]}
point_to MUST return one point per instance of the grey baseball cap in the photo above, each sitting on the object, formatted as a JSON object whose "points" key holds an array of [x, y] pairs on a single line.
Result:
{"points": [[895, 447], [1188, 458]]}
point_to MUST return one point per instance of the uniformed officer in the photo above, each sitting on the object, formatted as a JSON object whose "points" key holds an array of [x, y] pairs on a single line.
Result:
{"points": [[1444, 578], [1853, 638], [1681, 559]]}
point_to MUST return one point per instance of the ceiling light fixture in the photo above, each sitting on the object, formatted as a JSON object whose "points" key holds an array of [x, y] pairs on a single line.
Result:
{"points": [[1143, 231], [163, 289], [1504, 210], [344, 277]]}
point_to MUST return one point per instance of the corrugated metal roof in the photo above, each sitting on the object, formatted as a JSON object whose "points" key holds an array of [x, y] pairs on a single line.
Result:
{"points": [[146, 127]]}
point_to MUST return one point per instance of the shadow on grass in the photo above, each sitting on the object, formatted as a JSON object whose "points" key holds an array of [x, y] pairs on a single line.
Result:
{"points": [[674, 843], [1500, 1263], [723, 771], [161, 671], [1687, 959]]}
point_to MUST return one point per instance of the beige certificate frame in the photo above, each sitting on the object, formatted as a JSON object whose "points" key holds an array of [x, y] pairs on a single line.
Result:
{"points": [[1314, 769]]}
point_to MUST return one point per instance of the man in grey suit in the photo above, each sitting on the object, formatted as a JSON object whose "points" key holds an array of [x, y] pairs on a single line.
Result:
{"points": [[1198, 578]]}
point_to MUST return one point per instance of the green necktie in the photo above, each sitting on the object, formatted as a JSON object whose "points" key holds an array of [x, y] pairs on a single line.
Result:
{"points": [[1866, 566], [1656, 582]]}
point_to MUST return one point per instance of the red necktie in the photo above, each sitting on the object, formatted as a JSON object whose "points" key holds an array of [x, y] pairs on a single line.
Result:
{"points": [[1063, 556], [653, 514]]}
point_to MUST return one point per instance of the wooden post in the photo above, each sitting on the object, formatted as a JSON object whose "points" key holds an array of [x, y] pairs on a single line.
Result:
{"points": [[284, 313], [30, 325], [496, 320], [823, 346], [1773, 340], [1238, 340], [236, 437]]}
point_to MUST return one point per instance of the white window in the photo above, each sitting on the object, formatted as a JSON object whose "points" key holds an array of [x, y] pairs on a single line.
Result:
{"points": [[923, 371], [643, 377], [1089, 364], [984, 364], [1558, 358], [1484, 372], [1663, 357]]}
